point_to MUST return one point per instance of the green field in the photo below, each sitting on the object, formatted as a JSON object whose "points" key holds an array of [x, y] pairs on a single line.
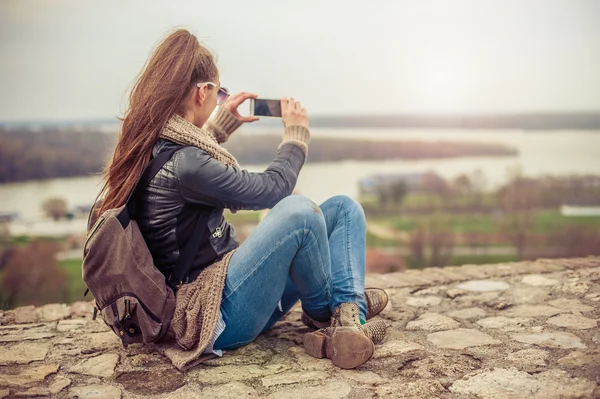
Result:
{"points": [[544, 222], [76, 287], [374, 241], [415, 200], [242, 217], [419, 200]]}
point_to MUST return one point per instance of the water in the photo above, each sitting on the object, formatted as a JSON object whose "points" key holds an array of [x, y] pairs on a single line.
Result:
{"points": [[540, 153]]}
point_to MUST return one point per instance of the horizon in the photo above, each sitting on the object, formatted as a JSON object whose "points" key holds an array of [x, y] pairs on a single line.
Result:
{"points": [[107, 119]]}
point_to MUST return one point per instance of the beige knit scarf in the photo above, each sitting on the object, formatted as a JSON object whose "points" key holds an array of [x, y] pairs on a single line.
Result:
{"points": [[184, 132], [197, 303], [196, 316]]}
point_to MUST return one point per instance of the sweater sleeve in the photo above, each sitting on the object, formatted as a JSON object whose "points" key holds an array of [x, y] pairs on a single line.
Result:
{"points": [[222, 125], [298, 135]]}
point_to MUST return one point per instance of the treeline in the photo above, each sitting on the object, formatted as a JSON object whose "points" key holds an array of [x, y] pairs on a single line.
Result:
{"points": [[50, 153], [53, 152], [261, 149]]}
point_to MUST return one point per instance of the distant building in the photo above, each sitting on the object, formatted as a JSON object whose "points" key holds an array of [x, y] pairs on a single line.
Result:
{"points": [[580, 210], [8, 216], [415, 181]]}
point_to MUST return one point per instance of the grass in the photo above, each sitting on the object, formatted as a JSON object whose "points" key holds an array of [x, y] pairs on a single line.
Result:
{"points": [[75, 287], [418, 200], [460, 223], [544, 221], [22, 240], [415, 200], [242, 217], [374, 241], [551, 220]]}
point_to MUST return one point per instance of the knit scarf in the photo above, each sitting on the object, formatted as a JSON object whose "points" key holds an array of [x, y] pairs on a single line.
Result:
{"points": [[184, 132], [196, 315], [197, 303]]}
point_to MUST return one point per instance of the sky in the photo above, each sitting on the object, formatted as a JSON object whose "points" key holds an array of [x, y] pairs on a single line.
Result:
{"points": [[75, 60]]}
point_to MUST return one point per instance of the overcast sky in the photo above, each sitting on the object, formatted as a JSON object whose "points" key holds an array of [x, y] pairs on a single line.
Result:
{"points": [[63, 60]]}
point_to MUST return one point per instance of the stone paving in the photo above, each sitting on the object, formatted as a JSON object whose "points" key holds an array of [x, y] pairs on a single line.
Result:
{"points": [[513, 330]]}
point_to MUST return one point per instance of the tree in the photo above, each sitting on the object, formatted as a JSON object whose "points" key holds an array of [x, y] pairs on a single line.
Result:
{"points": [[416, 244], [435, 240], [398, 191], [33, 276], [478, 181], [5, 244], [462, 188], [519, 198], [55, 208], [436, 185], [441, 242], [462, 185], [575, 241], [392, 194]]}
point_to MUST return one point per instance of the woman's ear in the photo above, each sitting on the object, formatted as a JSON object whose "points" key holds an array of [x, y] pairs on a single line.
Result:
{"points": [[201, 94]]}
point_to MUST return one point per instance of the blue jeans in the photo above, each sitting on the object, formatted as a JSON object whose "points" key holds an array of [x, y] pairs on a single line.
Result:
{"points": [[299, 251]]}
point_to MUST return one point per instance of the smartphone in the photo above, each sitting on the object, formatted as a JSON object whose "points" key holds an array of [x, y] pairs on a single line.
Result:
{"points": [[264, 107]]}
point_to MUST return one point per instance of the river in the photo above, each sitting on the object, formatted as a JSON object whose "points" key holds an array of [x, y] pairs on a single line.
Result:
{"points": [[540, 153]]}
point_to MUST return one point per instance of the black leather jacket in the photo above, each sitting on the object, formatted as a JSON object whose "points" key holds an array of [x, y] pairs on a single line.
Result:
{"points": [[168, 207]]}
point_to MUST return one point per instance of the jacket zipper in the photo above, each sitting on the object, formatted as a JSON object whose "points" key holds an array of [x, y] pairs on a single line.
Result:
{"points": [[219, 230]]}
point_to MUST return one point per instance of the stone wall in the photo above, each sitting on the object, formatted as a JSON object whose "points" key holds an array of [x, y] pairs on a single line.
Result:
{"points": [[513, 330]]}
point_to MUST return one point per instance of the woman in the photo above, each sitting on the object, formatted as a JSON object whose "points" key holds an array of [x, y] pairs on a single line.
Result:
{"points": [[299, 251]]}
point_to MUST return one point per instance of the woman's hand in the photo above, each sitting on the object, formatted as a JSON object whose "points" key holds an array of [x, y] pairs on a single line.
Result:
{"points": [[234, 102], [292, 113]]}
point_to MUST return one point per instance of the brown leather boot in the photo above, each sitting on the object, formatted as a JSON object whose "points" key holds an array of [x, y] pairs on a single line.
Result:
{"points": [[346, 342], [377, 300]]}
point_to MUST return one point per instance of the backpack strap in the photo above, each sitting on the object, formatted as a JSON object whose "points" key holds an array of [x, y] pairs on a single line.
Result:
{"points": [[151, 170], [188, 253]]}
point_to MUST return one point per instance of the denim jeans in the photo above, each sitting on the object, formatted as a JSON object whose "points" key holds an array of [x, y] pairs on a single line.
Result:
{"points": [[299, 251]]}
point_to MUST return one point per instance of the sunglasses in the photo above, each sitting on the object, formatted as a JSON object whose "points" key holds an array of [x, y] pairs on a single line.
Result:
{"points": [[222, 95]]}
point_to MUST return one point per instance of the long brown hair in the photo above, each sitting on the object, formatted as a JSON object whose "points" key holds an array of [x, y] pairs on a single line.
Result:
{"points": [[161, 89]]}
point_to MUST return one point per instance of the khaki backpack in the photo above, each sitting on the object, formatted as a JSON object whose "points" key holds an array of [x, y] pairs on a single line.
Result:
{"points": [[131, 294]]}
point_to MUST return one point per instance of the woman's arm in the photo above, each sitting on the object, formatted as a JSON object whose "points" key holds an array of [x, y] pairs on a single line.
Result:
{"points": [[204, 180]]}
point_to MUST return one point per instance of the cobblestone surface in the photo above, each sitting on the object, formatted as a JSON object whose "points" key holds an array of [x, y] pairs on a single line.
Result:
{"points": [[514, 330]]}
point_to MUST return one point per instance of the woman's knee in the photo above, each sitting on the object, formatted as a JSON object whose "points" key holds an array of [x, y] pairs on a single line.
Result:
{"points": [[349, 205], [298, 208]]}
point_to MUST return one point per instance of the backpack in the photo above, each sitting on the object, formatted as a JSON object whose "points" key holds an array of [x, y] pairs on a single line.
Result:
{"points": [[133, 297]]}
